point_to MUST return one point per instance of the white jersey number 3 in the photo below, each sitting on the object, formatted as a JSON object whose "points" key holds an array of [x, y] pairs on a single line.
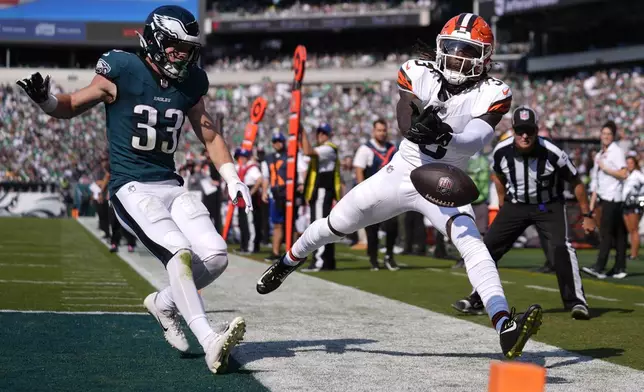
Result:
{"points": [[151, 131]]}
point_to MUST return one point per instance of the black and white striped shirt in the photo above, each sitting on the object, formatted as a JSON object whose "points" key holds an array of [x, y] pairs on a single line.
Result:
{"points": [[535, 178]]}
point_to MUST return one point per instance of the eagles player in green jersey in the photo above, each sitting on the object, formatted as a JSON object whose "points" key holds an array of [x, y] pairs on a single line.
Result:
{"points": [[147, 98]]}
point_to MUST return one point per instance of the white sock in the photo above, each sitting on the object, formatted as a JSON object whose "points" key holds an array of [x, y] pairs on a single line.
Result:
{"points": [[204, 273], [316, 235], [164, 301], [185, 295], [481, 270], [291, 260]]}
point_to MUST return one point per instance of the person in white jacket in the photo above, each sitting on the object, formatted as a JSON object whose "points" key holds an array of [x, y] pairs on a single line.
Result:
{"points": [[633, 193]]}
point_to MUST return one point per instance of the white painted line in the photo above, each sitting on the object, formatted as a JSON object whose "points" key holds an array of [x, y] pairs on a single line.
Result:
{"points": [[599, 297], [127, 257], [71, 291], [47, 255], [639, 304], [56, 282], [105, 305], [434, 269], [459, 274], [95, 298], [93, 280], [72, 313], [506, 282], [542, 288], [12, 265]]}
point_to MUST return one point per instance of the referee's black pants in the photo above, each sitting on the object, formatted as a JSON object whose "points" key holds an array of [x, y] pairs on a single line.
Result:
{"points": [[551, 223], [320, 206], [612, 231]]}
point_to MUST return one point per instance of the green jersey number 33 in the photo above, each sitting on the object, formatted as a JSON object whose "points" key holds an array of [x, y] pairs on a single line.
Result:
{"points": [[151, 132]]}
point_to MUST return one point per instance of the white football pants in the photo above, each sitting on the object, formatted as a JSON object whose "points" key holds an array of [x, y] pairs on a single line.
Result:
{"points": [[389, 193]]}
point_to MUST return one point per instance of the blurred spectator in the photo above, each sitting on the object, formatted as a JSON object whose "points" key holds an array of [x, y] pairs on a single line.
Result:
{"points": [[289, 8], [35, 147]]}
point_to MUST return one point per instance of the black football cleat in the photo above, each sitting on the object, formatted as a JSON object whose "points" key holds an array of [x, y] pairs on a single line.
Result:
{"points": [[471, 304], [516, 331], [274, 276]]}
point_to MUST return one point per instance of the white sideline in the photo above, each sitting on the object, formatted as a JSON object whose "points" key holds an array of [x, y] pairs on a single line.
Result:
{"points": [[71, 313], [64, 283], [314, 335]]}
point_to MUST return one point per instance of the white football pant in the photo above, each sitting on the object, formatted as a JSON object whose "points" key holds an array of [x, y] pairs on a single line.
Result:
{"points": [[389, 193]]}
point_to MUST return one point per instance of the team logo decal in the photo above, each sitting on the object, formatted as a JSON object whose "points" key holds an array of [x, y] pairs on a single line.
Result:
{"points": [[102, 67], [524, 115], [445, 185]]}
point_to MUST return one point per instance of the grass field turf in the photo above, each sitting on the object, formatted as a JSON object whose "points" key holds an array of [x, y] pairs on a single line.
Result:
{"points": [[45, 352], [56, 265], [614, 333]]}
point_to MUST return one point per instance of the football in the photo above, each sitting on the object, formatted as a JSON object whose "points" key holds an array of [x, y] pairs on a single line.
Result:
{"points": [[444, 185]]}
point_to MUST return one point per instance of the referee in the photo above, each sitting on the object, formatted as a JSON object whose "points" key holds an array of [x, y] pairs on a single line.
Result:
{"points": [[529, 170]]}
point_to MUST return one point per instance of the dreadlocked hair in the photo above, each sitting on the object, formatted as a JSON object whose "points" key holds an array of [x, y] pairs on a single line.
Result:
{"points": [[423, 51]]}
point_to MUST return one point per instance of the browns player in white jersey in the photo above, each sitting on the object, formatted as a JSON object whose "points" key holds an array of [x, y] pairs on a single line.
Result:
{"points": [[447, 112]]}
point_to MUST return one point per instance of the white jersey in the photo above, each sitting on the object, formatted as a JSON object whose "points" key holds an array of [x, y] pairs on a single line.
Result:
{"points": [[421, 78]]}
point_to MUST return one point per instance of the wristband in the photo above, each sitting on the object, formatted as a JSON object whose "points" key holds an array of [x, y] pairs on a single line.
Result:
{"points": [[228, 173], [588, 214], [50, 104]]}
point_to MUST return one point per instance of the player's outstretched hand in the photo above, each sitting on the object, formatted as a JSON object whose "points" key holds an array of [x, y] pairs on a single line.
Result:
{"points": [[237, 188], [36, 87], [425, 125]]}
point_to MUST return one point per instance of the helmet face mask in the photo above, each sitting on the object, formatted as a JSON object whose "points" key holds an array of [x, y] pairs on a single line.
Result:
{"points": [[171, 41], [459, 59], [464, 48]]}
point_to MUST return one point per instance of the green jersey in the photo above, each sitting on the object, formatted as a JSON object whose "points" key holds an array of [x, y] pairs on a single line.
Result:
{"points": [[144, 122]]}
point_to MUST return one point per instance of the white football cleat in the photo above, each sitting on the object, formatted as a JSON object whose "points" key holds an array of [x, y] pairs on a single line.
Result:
{"points": [[169, 322], [219, 347]]}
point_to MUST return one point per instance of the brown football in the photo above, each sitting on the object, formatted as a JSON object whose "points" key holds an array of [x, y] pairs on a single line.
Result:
{"points": [[444, 185]]}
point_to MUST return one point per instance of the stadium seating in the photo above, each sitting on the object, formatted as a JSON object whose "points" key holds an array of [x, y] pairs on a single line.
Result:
{"points": [[35, 147]]}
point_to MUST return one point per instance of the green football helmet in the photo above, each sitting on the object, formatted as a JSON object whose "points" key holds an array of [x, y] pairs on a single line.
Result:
{"points": [[171, 40]]}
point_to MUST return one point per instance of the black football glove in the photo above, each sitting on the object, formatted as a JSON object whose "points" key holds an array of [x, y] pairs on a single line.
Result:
{"points": [[36, 87], [426, 126]]}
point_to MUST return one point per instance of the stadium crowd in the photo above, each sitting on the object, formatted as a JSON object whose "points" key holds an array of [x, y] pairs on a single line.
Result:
{"points": [[44, 149], [286, 8]]}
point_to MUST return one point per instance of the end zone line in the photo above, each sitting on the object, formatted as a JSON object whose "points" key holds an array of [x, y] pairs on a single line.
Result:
{"points": [[106, 305], [145, 274], [66, 283], [73, 313]]}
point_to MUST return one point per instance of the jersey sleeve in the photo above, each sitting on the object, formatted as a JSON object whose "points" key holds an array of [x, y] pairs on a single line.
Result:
{"points": [[495, 97], [566, 167], [411, 76], [110, 64], [265, 172], [362, 157], [203, 84]]}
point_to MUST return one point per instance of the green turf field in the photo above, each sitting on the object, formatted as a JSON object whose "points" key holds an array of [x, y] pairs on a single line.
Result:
{"points": [[614, 333], [57, 265]]}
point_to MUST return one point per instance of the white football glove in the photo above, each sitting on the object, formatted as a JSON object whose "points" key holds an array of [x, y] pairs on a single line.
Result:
{"points": [[239, 187]]}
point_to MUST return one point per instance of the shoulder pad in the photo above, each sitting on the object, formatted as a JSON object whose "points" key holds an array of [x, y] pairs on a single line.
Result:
{"points": [[508, 141], [412, 74], [111, 63], [494, 97], [200, 78]]}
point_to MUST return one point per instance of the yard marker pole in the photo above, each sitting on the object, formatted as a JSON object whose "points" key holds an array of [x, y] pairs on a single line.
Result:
{"points": [[299, 65], [257, 110]]}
